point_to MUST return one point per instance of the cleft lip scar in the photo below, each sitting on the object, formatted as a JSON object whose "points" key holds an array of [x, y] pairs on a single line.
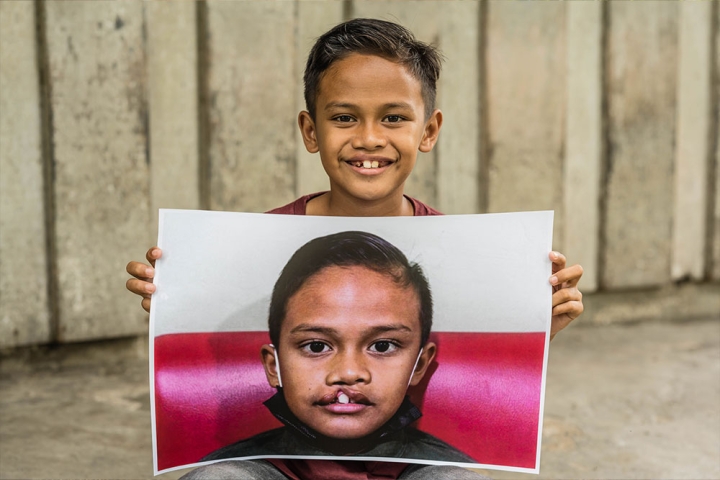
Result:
{"points": [[343, 396]]}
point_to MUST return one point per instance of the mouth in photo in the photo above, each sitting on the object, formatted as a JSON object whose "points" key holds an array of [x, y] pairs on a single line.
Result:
{"points": [[344, 402]]}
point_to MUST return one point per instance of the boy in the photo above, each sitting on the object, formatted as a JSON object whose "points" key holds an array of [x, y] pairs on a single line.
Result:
{"points": [[370, 98], [343, 355]]}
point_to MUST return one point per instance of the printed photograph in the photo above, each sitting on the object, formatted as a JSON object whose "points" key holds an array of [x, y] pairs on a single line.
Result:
{"points": [[416, 340]]}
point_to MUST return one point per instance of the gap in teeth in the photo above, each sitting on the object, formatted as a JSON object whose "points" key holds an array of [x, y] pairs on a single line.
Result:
{"points": [[367, 164]]}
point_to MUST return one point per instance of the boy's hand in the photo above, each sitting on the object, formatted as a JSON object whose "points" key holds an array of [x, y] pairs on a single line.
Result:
{"points": [[142, 283], [567, 299]]}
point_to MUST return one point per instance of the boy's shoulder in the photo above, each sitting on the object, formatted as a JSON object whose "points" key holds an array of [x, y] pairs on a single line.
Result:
{"points": [[265, 443], [299, 206], [421, 445]]}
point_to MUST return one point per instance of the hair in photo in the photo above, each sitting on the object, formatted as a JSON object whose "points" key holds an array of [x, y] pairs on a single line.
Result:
{"points": [[373, 37], [348, 249]]}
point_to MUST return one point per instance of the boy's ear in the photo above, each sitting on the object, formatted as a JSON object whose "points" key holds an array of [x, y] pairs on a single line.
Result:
{"points": [[432, 130], [308, 131], [267, 354], [426, 358]]}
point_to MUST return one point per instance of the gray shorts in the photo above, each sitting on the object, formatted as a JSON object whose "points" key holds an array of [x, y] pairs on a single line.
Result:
{"points": [[262, 470]]}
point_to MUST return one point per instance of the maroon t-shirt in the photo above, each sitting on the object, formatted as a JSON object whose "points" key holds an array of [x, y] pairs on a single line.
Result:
{"points": [[330, 469], [298, 206]]}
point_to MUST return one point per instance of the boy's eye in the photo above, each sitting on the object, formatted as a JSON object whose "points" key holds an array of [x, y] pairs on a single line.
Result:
{"points": [[383, 346], [343, 118], [316, 347], [393, 118]]}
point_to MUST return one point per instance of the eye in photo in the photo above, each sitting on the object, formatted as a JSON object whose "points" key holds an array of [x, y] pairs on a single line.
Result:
{"points": [[417, 339]]}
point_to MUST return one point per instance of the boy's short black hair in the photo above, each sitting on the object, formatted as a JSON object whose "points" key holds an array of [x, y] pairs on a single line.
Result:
{"points": [[370, 36], [348, 249]]}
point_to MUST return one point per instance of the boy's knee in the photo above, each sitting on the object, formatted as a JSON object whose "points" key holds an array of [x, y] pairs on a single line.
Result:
{"points": [[232, 470], [440, 472]]}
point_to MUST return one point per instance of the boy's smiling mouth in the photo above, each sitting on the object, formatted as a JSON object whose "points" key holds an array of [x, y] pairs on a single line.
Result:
{"points": [[369, 163]]}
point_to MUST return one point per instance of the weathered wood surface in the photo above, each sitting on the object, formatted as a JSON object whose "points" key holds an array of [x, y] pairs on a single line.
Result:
{"points": [[252, 88], [173, 104], [693, 144], [642, 84], [97, 66], [715, 221], [24, 308], [526, 85], [583, 139]]}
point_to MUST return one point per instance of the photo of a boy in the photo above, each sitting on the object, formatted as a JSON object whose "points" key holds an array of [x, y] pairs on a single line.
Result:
{"points": [[349, 322]]}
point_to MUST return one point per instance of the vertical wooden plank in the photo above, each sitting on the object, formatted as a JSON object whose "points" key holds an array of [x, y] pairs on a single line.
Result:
{"points": [[584, 138], [314, 18], [641, 79], [173, 105], [97, 74], [24, 309], [421, 17], [692, 159], [525, 65], [459, 145], [715, 220], [252, 90]]}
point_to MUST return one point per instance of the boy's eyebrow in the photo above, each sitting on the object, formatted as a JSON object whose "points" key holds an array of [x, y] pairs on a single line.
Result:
{"points": [[306, 327], [333, 105]]}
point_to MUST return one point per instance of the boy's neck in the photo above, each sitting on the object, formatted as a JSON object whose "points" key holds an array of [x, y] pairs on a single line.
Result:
{"points": [[339, 205]]}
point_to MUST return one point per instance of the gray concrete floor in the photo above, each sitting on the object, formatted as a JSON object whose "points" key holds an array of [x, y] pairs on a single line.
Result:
{"points": [[633, 401]]}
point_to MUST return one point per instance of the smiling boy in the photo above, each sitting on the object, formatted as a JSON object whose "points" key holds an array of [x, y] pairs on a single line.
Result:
{"points": [[350, 320], [370, 127], [370, 95]]}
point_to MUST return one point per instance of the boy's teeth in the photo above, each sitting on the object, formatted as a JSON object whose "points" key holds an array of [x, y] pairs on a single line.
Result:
{"points": [[342, 398], [368, 164]]}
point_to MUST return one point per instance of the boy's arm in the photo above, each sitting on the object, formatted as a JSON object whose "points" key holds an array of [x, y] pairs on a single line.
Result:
{"points": [[566, 299], [142, 283]]}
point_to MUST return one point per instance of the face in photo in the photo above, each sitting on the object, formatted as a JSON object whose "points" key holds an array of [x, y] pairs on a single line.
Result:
{"points": [[348, 349]]}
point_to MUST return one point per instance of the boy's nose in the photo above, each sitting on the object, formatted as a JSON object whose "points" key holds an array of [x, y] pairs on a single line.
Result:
{"points": [[369, 136], [348, 369]]}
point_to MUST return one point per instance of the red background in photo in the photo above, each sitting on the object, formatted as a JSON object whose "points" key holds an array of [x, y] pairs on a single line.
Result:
{"points": [[481, 395]]}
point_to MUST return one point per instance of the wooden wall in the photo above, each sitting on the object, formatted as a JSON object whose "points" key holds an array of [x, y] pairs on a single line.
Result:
{"points": [[605, 112]]}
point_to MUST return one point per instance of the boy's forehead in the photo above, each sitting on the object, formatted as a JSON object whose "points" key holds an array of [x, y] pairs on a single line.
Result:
{"points": [[358, 75], [338, 277], [355, 287]]}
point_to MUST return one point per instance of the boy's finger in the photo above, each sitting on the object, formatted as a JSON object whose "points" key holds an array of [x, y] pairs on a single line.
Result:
{"points": [[558, 261], [564, 316], [146, 304], [140, 270], [153, 254], [571, 309], [570, 276], [140, 287], [566, 295]]}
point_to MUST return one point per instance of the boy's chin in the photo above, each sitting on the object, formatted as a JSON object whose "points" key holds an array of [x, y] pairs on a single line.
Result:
{"points": [[347, 442], [350, 431], [341, 434]]}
